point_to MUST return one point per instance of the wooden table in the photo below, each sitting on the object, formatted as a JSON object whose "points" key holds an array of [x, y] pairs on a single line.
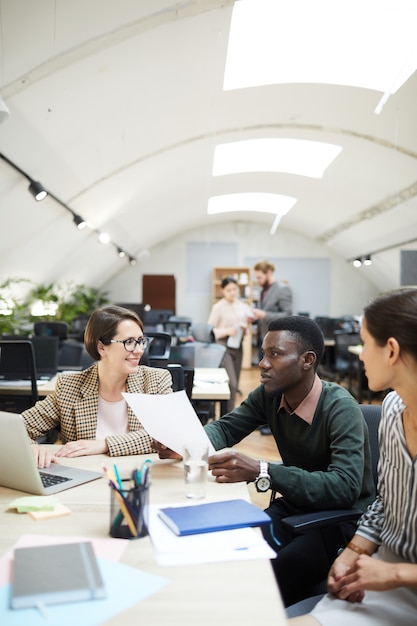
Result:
{"points": [[231, 592]]}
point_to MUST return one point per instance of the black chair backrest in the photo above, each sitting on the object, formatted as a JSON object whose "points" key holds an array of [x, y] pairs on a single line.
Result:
{"points": [[343, 340], [69, 355], [178, 326], [183, 354], [372, 415], [177, 375], [209, 354], [157, 353], [188, 381], [153, 318], [56, 329], [46, 354]]}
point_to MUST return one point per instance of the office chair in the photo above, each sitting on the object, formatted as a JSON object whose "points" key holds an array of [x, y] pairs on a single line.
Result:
{"points": [[69, 355], [177, 375], [153, 319], [178, 327], [17, 363], [56, 329], [158, 351], [330, 522], [45, 349], [208, 354], [344, 364], [78, 326], [201, 331]]}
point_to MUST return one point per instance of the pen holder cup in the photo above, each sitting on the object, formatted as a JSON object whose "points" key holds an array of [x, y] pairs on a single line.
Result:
{"points": [[129, 511]]}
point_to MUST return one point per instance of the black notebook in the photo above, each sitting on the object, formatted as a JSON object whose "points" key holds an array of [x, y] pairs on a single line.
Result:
{"points": [[213, 516], [55, 574]]}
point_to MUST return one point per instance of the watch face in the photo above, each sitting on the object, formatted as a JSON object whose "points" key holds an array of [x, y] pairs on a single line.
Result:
{"points": [[263, 483]]}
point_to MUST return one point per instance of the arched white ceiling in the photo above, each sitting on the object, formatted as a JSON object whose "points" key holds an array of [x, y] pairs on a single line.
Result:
{"points": [[116, 107]]}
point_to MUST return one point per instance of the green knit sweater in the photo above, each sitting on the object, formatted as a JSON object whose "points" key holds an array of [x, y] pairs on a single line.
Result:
{"points": [[325, 465]]}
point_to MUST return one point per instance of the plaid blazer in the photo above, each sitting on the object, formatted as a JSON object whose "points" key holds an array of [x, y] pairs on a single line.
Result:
{"points": [[73, 409]]}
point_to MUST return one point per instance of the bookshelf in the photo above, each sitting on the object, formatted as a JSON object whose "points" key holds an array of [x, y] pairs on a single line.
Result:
{"points": [[243, 277]]}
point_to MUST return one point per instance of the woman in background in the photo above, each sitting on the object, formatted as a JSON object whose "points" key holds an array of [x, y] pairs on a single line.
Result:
{"points": [[230, 318], [374, 580], [88, 408]]}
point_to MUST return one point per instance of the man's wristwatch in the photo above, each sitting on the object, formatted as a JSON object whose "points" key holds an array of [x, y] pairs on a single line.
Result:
{"points": [[263, 481]]}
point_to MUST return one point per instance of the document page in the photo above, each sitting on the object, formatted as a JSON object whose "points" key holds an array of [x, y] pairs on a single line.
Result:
{"points": [[169, 418]]}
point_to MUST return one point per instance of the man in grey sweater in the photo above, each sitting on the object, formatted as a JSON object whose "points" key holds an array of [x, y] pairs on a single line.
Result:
{"points": [[275, 299], [323, 442]]}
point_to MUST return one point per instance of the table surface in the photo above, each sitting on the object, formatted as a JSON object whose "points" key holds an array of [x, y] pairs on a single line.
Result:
{"points": [[213, 385], [355, 349], [240, 592]]}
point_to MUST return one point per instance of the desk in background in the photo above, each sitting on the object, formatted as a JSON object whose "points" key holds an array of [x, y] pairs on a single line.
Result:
{"points": [[213, 385], [240, 592]]}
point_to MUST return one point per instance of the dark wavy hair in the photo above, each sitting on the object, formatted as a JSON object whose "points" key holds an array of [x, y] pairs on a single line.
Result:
{"points": [[307, 332], [394, 314], [227, 280]]}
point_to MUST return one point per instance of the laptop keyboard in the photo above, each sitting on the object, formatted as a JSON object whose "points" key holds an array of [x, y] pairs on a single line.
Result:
{"points": [[48, 480]]}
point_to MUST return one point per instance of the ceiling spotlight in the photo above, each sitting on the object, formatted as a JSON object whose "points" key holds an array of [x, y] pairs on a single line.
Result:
{"points": [[367, 260], [357, 262], [37, 190], [104, 238], [132, 260], [79, 222], [121, 253]]}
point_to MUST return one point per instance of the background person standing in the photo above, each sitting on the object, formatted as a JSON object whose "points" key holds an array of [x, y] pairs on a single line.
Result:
{"points": [[275, 299], [230, 318]]}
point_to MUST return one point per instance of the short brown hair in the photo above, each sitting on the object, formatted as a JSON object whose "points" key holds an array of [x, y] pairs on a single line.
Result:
{"points": [[102, 326], [264, 266]]}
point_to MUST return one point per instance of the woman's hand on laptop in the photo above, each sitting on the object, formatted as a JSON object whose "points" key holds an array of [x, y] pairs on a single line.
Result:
{"points": [[44, 456], [83, 447]]}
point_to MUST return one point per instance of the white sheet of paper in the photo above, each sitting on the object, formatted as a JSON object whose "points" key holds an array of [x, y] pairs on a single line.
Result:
{"points": [[223, 545], [169, 418]]}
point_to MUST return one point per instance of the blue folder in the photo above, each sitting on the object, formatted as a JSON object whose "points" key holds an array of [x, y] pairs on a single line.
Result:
{"points": [[212, 517]]}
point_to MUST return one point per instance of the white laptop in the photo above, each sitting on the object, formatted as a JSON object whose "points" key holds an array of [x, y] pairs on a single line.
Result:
{"points": [[18, 468]]}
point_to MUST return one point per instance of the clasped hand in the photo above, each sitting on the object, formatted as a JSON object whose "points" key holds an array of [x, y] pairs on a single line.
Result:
{"points": [[349, 581]]}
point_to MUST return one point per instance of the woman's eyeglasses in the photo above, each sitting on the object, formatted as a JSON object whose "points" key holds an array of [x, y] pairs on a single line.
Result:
{"points": [[131, 343]]}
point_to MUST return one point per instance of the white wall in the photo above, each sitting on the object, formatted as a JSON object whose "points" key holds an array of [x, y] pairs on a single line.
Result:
{"points": [[349, 289]]}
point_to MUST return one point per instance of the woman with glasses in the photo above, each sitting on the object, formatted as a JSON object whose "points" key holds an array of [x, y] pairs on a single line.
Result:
{"points": [[88, 408]]}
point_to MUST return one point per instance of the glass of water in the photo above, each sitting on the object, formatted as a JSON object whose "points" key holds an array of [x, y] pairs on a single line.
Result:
{"points": [[195, 458]]}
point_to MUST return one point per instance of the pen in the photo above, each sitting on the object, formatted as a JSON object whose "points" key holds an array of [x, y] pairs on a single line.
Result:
{"points": [[144, 473], [119, 480]]}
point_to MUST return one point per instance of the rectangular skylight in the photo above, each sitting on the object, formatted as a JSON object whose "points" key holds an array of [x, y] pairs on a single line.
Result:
{"points": [[359, 43], [255, 202], [273, 203], [292, 156]]}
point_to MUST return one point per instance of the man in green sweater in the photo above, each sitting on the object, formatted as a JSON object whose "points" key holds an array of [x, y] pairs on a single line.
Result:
{"points": [[323, 442]]}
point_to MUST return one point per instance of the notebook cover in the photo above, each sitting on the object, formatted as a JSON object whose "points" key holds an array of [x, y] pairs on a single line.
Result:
{"points": [[55, 574], [213, 516]]}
